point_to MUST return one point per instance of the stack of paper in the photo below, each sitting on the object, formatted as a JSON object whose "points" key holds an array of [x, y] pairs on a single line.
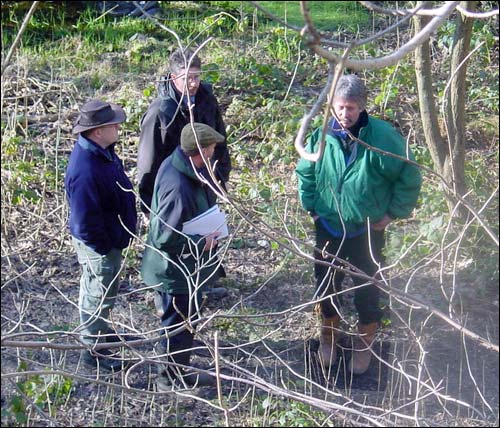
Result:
{"points": [[210, 221]]}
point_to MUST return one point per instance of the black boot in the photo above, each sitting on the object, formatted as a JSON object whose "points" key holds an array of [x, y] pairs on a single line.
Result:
{"points": [[174, 378], [121, 337], [103, 359], [171, 376]]}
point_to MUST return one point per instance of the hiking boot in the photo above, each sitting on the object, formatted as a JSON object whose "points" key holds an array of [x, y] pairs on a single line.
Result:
{"points": [[167, 382], [328, 338], [121, 337], [216, 293], [92, 359], [158, 300], [362, 354]]}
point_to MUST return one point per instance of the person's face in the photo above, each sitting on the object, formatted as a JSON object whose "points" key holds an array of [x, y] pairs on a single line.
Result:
{"points": [[109, 133], [347, 111], [187, 82]]}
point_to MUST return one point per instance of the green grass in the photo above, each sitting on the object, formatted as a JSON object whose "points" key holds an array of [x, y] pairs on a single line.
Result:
{"points": [[332, 16], [51, 27]]}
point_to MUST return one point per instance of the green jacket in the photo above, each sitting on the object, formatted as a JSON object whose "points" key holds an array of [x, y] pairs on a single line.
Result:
{"points": [[175, 262], [371, 186]]}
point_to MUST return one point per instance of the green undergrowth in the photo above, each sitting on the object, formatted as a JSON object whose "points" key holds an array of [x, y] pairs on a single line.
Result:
{"points": [[266, 79]]}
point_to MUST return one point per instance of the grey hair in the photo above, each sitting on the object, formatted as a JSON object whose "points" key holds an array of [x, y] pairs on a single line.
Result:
{"points": [[352, 87], [181, 58]]}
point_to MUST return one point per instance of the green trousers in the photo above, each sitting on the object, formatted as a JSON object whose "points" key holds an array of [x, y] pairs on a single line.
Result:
{"points": [[98, 289]]}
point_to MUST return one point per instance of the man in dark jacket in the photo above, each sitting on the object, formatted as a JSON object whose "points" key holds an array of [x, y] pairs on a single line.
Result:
{"points": [[102, 218], [181, 265], [353, 193], [182, 98]]}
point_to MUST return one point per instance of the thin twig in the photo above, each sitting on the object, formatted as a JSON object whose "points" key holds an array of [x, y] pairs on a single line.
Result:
{"points": [[19, 34]]}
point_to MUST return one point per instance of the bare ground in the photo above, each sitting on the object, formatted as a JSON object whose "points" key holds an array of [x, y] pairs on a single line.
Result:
{"points": [[431, 374], [267, 356]]}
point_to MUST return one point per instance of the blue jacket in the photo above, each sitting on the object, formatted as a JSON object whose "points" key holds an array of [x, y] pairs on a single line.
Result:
{"points": [[96, 201]]}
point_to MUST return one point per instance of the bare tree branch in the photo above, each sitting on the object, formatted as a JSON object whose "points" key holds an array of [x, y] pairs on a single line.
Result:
{"points": [[19, 35]]}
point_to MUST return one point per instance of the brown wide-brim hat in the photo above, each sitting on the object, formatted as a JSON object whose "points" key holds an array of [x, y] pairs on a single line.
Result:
{"points": [[97, 113]]}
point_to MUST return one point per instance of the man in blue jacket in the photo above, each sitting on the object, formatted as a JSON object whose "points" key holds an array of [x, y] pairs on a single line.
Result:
{"points": [[102, 218], [181, 265], [353, 193]]}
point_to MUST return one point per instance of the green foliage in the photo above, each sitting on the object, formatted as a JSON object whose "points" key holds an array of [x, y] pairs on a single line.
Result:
{"points": [[134, 108], [48, 392], [251, 73], [390, 85], [211, 73], [334, 16], [280, 412], [15, 414], [222, 24], [432, 229], [283, 46], [483, 92], [30, 172], [21, 184]]}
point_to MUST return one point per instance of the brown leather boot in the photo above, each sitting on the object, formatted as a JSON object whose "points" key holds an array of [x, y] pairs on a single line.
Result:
{"points": [[361, 354], [327, 340]]}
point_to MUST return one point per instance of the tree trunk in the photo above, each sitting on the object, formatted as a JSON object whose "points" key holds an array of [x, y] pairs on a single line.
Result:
{"points": [[428, 111], [448, 156], [456, 98]]}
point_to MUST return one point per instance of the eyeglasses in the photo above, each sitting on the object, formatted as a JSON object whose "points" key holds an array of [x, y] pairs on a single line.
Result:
{"points": [[190, 77]]}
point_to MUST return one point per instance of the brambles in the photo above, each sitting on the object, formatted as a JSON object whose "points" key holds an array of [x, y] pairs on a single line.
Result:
{"points": [[266, 80]]}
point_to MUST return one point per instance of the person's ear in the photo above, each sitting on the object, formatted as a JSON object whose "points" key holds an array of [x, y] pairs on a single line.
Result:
{"points": [[93, 133]]}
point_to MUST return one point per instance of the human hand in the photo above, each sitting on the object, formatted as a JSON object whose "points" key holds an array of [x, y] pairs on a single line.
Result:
{"points": [[382, 224], [211, 241]]}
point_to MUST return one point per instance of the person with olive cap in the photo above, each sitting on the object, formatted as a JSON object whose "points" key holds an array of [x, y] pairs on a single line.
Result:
{"points": [[182, 97], [181, 265], [102, 217]]}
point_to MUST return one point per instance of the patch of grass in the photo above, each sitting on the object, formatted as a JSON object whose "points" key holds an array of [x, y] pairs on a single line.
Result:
{"points": [[333, 16], [48, 392], [277, 412]]}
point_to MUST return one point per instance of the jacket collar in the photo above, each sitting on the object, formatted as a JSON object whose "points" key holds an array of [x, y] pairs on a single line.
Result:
{"points": [[183, 164], [336, 129], [166, 89], [88, 144]]}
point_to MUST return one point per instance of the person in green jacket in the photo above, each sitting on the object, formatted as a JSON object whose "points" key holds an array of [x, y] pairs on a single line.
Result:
{"points": [[353, 193], [182, 266]]}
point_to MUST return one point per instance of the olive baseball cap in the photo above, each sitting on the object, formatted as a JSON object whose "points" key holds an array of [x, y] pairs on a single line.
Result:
{"points": [[205, 134]]}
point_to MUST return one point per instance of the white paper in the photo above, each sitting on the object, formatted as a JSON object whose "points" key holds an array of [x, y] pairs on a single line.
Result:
{"points": [[210, 221]]}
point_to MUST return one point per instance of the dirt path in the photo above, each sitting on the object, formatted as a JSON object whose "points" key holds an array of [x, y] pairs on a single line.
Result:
{"points": [[458, 379]]}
